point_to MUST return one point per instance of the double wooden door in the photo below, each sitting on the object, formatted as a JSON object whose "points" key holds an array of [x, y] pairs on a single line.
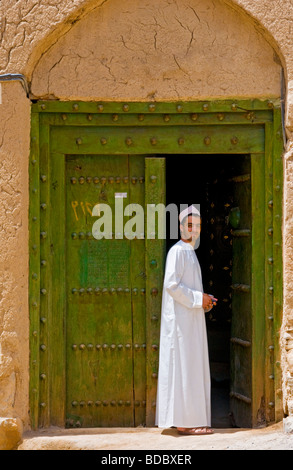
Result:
{"points": [[77, 374]]}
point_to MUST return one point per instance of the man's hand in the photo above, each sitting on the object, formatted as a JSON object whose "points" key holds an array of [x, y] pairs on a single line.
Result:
{"points": [[207, 302]]}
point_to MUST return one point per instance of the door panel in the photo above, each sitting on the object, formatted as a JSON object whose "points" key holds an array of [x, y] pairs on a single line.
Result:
{"points": [[155, 193], [241, 329], [102, 308], [138, 283]]}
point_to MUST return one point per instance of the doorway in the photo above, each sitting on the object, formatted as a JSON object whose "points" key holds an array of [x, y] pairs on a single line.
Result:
{"points": [[209, 140], [209, 180]]}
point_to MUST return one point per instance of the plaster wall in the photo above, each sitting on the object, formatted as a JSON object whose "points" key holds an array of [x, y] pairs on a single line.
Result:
{"points": [[130, 50], [159, 50], [14, 354]]}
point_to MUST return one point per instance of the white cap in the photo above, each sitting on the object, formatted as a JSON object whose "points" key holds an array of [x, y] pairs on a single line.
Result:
{"points": [[191, 210]]}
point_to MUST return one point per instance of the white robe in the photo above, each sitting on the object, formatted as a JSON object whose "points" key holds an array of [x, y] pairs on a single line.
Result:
{"points": [[183, 393]]}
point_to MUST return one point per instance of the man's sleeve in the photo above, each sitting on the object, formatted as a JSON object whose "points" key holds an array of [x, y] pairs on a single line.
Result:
{"points": [[172, 283]]}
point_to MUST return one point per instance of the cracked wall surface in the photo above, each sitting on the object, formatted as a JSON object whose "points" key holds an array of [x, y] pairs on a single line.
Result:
{"points": [[159, 50], [14, 336], [135, 49]]}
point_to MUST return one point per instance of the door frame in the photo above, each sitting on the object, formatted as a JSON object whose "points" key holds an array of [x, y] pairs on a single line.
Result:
{"points": [[162, 128]]}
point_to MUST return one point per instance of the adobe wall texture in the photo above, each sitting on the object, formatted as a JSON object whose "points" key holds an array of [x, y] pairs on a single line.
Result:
{"points": [[158, 50], [14, 358], [130, 50]]}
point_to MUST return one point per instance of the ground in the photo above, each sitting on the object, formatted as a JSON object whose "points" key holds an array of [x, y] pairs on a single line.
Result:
{"points": [[270, 438]]}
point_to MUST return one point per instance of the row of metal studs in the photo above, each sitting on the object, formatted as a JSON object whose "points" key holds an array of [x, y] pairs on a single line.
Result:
{"points": [[105, 290], [108, 236], [105, 347], [167, 117], [103, 179], [152, 107], [112, 347], [154, 141], [44, 306], [105, 403], [90, 403]]}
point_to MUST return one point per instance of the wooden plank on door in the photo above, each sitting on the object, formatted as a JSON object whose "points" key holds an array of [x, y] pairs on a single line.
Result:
{"points": [[138, 285], [45, 274], [154, 264], [57, 313], [269, 382], [278, 258], [258, 289], [241, 334]]}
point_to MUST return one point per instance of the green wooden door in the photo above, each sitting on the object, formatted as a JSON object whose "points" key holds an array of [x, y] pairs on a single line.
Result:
{"points": [[241, 330], [70, 140], [105, 287], [250, 291]]}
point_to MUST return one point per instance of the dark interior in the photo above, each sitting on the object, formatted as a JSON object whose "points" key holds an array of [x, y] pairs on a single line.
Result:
{"points": [[206, 180]]}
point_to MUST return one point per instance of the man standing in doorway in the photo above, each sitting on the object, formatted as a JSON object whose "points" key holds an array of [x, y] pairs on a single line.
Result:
{"points": [[183, 395]]}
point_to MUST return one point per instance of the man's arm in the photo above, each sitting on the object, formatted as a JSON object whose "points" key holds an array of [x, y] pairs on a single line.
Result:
{"points": [[172, 283]]}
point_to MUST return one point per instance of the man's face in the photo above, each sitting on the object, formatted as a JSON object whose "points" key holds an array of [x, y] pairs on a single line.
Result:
{"points": [[190, 229]]}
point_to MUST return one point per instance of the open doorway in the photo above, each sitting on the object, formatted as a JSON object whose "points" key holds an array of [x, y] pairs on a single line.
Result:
{"points": [[208, 180]]}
